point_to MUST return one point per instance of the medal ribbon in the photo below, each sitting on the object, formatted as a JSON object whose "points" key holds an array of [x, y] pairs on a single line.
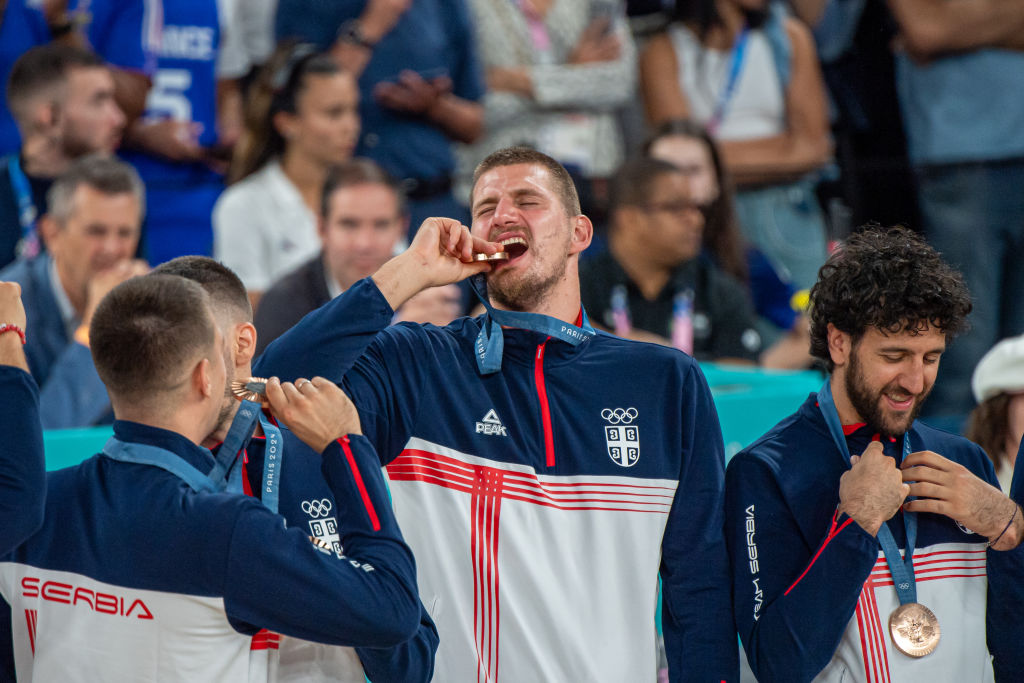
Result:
{"points": [[902, 568], [144, 454], [490, 342], [238, 436], [28, 247], [738, 53]]}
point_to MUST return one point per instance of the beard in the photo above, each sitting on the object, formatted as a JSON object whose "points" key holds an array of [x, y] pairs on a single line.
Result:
{"points": [[227, 408], [523, 293], [869, 403]]}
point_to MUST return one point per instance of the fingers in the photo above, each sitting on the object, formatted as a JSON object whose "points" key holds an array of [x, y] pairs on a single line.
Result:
{"points": [[854, 459], [276, 396], [927, 458], [926, 490]]}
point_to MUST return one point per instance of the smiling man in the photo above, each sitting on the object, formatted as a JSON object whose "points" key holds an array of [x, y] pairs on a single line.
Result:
{"points": [[543, 473], [820, 508]]}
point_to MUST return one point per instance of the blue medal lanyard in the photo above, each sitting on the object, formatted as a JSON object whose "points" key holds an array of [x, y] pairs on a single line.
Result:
{"points": [[902, 568], [735, 68], [143, 454], [28, 246], [490, 342], [227, 471]]}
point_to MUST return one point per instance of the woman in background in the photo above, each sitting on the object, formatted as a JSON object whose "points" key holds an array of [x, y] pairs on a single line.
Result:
{"points": [[301, 118], [749, 75], [997, 423]]}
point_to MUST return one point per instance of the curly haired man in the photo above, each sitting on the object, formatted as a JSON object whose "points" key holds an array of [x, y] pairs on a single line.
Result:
{"points": [[822, 510]]}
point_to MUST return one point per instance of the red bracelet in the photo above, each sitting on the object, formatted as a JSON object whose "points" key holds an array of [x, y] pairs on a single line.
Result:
{"points": [[11, 327]]}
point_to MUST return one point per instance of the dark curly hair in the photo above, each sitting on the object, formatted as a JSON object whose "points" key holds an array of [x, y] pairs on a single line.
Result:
{"points": [[888, 278]]}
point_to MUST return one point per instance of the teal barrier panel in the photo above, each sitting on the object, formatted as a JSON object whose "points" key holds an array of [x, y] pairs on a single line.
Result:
{"points": [[67, 447], [751, 401]]}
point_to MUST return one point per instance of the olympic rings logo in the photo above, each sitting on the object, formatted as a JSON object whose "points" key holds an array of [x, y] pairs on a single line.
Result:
{"points": [[619, 416], [317, 508]]}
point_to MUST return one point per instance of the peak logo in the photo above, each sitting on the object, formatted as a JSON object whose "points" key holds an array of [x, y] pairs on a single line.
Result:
{"points": [[491, 425], [77, 596]]}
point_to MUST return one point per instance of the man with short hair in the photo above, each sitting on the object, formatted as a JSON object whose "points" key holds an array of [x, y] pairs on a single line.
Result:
{"points": [[543, 472], [653, 284], [22, 483], [363, 222], [143, 570], [63, 101], [91, 233], [304, 499], [819, 509]]}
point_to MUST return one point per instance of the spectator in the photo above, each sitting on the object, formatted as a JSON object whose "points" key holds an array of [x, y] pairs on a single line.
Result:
{"points": [[419, 84], [124, 33], [193, 118], [301, 119], [960, 79], [783, 329], [91, 232], [363, 222], [557, 71], [194, 574], [749, 74], [63, 100], [653, 284], [997, 423], [22, 484]]}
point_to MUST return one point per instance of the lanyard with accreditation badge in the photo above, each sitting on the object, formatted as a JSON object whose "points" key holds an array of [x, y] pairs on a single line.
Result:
{"points": [[914, 628]]}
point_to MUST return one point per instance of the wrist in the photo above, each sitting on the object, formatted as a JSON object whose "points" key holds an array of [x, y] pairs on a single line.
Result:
{"points": [[399, 279], [1009, 536], [17, 332]]}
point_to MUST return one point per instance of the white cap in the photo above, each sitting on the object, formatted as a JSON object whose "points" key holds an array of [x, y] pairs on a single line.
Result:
{"points": [[1000, 370]]}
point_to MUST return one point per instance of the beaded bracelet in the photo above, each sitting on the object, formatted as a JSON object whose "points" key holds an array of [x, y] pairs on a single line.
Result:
{"points": [[11, 327]]}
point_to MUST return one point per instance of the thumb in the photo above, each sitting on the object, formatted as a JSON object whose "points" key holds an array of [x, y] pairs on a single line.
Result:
{"points": [[854, 459]]}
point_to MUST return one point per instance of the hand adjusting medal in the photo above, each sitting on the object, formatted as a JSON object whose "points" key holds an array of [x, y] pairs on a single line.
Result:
{"points": [[913, 628], [252, 389]]}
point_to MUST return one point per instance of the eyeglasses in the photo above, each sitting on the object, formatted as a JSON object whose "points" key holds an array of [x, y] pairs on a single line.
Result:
{"points": [[677, 207]]}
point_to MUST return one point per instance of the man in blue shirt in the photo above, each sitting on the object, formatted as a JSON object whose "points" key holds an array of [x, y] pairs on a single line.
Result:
{"points": [[419, 81], [91, 233]]}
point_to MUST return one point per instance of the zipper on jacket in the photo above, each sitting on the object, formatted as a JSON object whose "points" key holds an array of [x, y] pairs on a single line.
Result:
{"points": [[545, 412]]}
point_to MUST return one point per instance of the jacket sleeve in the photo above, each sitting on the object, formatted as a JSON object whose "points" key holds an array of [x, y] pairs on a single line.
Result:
{"points": [[1004, 616], [700, 639], [410, 662], [328, 341], [284, 583], [792, 601], [22, 468], [73, 395]]}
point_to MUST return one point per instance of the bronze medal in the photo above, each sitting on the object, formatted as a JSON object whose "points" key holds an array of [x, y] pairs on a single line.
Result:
{"points": [[914, 629], [497, 256], [252, 389]]}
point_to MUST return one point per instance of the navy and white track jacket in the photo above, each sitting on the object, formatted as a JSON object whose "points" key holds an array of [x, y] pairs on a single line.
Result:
{"points": [[22, 470], [307, 503], [813, 592], [541, 501], [136, 577]]}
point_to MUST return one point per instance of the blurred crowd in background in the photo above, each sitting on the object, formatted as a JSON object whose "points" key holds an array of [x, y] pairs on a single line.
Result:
{"points": [[722, 148]]}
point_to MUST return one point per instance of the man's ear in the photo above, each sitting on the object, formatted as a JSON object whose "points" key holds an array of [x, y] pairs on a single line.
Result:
{"points": [[840, 345], [202, 380], [48, 229], [244, 344], [582, 234]]}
